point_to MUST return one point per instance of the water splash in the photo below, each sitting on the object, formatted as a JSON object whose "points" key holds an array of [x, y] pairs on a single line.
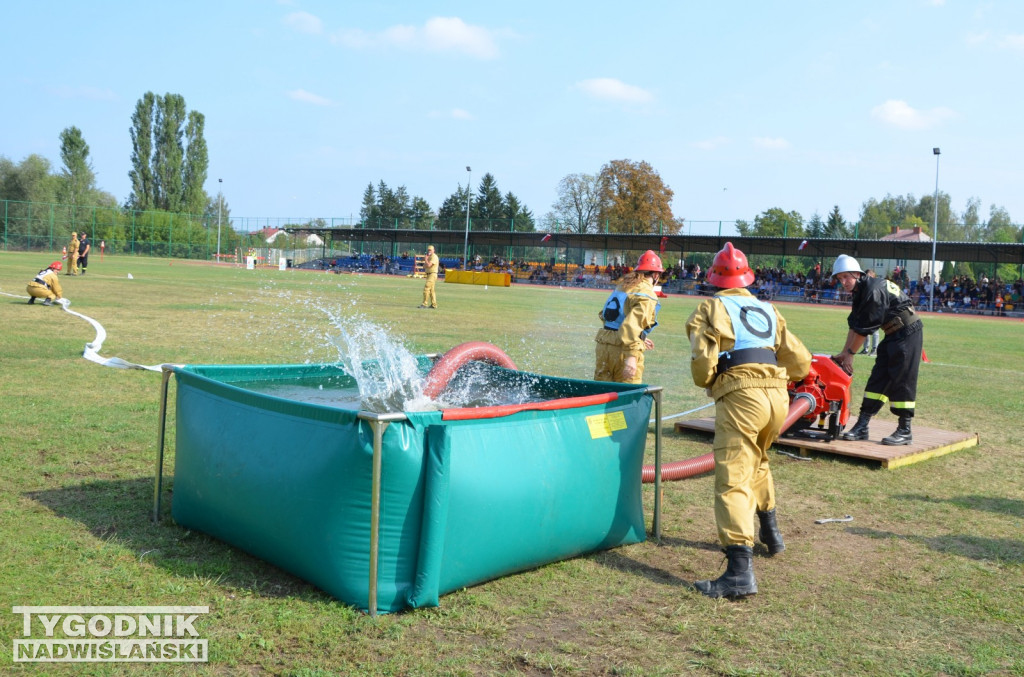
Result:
{"points": [[387, 374], [388, 377]]}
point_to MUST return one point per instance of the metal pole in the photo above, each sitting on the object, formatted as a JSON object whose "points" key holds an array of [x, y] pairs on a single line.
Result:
{"points": [[935, 233], [378, 437], [465, 245], [220, 199], [158, 481], [657, 466]]}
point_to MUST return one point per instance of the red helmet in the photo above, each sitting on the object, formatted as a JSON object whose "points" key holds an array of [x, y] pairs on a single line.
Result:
{"points": [[57, 265], [651, 262], [730, 269]]}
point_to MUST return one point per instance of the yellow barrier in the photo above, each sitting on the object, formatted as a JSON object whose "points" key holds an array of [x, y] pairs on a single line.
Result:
{"points": [[473, 277]]}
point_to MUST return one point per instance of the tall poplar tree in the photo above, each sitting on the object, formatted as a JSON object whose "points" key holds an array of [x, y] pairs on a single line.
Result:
{"points": [[166, 173], [168, 158], [78, 178], [197, 162], [143, 191]]}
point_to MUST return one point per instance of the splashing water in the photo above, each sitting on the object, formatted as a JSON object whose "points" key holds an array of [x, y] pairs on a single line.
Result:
{"points": [[388, 377], [387, 374]]}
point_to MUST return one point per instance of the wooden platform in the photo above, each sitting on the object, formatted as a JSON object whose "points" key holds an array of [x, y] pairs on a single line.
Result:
{"points": [[928, 443]]}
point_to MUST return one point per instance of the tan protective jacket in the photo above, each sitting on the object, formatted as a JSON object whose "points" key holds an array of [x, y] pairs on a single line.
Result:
{"points": [[430, 265], [710, 331], [640, 315]]}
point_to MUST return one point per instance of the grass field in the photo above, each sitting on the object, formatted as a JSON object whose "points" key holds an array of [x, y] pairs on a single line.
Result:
{"points": [[927, 580]]}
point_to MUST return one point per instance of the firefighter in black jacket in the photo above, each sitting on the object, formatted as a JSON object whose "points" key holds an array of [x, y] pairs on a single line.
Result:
{"points": [[879, 303]]}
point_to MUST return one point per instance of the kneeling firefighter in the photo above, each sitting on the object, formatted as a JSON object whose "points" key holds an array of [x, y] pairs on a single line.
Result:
{"points": [[46, 285], [744, 356], [879, 303], [628, 316]]}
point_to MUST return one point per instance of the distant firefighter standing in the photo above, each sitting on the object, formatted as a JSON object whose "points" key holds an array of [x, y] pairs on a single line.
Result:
{"points": [[430, 265]]}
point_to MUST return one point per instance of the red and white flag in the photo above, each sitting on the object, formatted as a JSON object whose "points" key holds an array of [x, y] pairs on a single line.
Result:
{"points": [[802, 246], [546, 238]]}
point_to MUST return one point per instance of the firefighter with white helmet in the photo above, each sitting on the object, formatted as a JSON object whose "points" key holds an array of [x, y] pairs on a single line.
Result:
{"points": [[46, 285], [743, 354], [879, 303], [628, 316]]}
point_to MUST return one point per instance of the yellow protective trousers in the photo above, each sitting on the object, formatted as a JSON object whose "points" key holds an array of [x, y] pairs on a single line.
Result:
{"points": [[429, 297], [609, 359], [747, 422], [40, 291]]}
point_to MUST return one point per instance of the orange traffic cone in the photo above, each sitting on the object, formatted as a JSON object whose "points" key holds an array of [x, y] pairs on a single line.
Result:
{"points": [[924, 356]]}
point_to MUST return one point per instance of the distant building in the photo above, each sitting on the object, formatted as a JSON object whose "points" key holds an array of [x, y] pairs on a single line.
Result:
{"points": [[916, 270]]}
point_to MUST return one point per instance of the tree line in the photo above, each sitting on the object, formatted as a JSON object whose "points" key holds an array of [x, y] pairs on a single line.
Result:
{"points": [[169, 169]]}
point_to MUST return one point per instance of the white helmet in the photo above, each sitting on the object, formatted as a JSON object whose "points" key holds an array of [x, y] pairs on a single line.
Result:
{"points": [[845, 264]]}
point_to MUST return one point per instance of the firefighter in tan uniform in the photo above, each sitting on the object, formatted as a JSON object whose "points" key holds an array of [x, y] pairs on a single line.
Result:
{"points": [[629, 314], [46, 285], [73, 255], [430, 266], [743, 354]]}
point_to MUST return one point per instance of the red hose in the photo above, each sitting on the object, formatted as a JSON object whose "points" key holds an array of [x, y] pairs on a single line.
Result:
{"points": [[680, 470], [443, 371]]}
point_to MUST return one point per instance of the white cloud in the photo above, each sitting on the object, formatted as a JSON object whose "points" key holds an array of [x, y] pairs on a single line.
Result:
{"points": [[1014, 42], [304, 22], [610, 89], [454, 114], [308, 97], [771, 143], [974, 39], [438, 34], [712, 143], [896, 113], [1010, 41]]}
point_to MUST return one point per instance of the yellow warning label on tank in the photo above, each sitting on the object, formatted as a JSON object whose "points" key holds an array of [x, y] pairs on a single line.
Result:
{"points": [[603, 425]]}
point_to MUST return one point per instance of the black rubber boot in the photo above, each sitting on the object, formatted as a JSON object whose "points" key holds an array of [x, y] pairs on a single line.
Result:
{"points": [[47, 302], [769, 533], [902, 434], [859, 431], [31, 300], [738, 579]]}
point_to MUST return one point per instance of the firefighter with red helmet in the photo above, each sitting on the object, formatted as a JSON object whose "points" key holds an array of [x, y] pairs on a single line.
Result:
{"points": [[628, 316], [742, 353], [46, 285]]}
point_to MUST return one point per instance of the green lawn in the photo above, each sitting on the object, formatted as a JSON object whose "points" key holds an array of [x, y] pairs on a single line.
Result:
{"points": [[927, 580]]}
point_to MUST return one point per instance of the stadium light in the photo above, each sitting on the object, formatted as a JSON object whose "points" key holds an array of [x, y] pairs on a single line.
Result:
{"points": [[465, 245], [935, 233]]}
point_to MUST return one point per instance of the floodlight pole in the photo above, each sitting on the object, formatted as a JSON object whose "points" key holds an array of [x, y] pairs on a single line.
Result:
{"points": [[935, 233], [465, 245], [220, 199]]}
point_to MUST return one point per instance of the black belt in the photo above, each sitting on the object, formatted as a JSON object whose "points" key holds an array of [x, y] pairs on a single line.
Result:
{"points": [[904, 319], [735, 358]]}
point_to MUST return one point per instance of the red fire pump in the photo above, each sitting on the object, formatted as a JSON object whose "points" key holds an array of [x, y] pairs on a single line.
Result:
{"points": [[819, 405]]}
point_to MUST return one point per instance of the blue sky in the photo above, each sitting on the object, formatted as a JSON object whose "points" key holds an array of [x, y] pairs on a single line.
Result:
{"points": [[739, 106]]}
